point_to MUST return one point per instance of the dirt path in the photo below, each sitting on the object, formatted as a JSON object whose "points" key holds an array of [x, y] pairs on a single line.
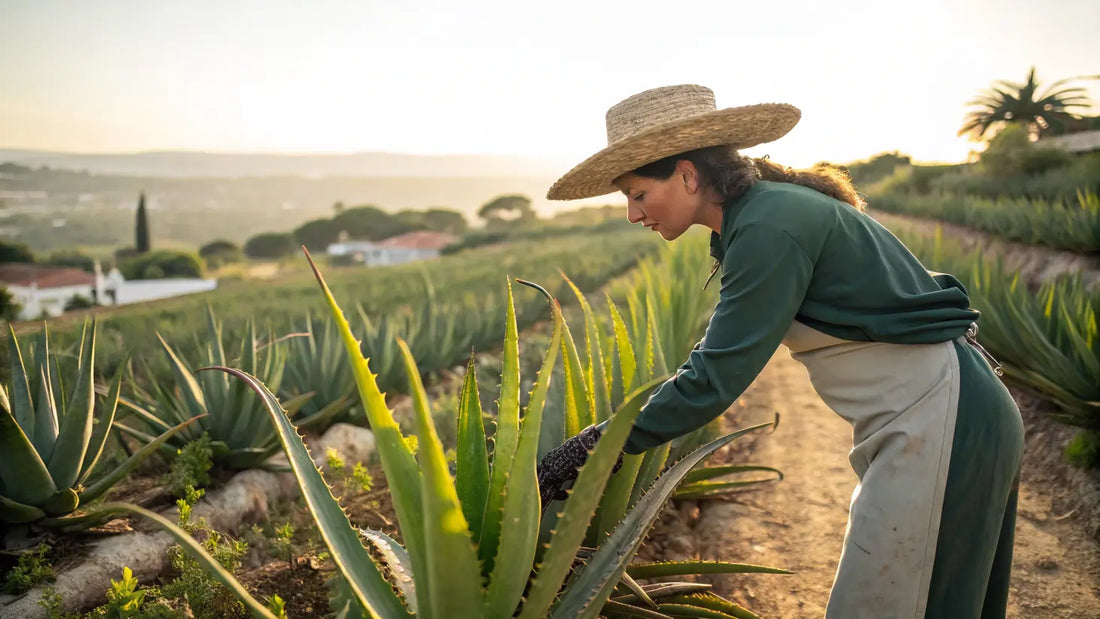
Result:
{"points": [[799, 522]]}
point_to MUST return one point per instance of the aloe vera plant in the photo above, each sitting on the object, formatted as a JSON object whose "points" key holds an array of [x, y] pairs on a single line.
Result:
{"points": [[51, 439], [236, 420], [471, 540], [1047, 337], [316, 364]]}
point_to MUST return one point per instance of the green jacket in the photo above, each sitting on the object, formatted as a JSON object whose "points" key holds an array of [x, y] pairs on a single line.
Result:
{"points": [[789, 253]]}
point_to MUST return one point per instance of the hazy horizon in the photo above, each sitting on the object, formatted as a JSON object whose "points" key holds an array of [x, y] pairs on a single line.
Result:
{"points": [[432, 78]]}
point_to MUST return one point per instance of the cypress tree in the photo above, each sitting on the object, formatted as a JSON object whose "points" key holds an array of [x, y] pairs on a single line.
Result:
{"points": [[141, 243]]}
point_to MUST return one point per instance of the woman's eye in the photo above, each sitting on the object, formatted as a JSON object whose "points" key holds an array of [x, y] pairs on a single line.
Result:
{"points": [[639, 197]]}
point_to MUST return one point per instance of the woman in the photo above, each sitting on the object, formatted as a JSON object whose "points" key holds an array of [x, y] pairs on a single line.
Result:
{"points": [[889, 346]]}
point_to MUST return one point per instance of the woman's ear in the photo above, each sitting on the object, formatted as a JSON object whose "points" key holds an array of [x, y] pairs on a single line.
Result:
{"points": [[687, 173]]}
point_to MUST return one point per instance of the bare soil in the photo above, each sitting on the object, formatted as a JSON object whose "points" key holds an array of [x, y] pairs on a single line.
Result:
{"points": [[798, 523]]}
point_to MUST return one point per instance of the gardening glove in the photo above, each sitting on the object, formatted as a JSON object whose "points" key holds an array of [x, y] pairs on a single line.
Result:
{"points": [[560, 465]]}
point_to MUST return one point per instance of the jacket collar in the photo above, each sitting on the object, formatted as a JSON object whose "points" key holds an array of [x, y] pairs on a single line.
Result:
{"points": [[719, 243]]}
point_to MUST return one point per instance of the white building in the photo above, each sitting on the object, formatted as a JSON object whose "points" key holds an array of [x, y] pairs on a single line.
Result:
{"points": [[46, 291], [410, 247]]}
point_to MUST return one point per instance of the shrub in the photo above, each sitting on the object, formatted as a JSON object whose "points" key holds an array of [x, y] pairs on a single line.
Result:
{"points": [[269, 245], [218, 253], [72, 258], [15, 252], [162, 263], [78, 302]]}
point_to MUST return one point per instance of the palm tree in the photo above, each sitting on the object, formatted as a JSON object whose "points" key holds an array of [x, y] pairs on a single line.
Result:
{"points": [[1007, 102]]}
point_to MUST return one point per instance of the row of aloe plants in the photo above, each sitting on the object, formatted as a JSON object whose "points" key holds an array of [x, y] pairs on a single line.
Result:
{"points": [[308, 368], [1045, 335], [472, 544], [125, 332], [1074, 226]]}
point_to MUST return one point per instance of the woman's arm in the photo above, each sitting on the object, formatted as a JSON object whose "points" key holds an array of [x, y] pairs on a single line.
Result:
{"points": [[765, 275]]}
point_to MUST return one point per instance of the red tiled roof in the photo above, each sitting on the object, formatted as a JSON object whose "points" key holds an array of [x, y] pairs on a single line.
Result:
{"points": [[20, 274], [421, 239]]}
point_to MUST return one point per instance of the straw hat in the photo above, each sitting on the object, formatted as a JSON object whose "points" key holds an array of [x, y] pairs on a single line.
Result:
{"points": [[666, 121]]}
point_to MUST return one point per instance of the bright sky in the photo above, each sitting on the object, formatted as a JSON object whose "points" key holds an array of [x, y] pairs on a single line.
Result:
{"points": [[508, 76]]}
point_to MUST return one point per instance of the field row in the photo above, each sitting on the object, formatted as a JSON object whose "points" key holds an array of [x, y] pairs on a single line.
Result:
{"points": [[1074, 227]]}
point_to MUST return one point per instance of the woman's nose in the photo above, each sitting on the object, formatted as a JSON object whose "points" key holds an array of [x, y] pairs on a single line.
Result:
{"points": [[634, 214]]}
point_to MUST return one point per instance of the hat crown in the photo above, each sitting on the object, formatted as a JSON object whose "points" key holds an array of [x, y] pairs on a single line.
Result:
{"points": [[656, 107]]}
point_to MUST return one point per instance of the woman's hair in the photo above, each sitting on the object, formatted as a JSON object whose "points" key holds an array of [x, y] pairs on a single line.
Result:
{"points": [[729, 174]]}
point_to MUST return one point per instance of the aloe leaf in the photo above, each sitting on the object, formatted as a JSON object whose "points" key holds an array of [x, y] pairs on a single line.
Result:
{"points": [[64, 502], [144, 437], [616, 499], [519, 536], [101, 430], [639, 592], [708, 489], [372, 590], [397, 562], [398, 463], [623, 346], [76, 427], [577, 410], [471, 455], [595, 378], [210, 564], [709, 601], [142, 413], [454, 575], [25, 477], [14, 512], [189, 387], [326, 413], [653, 337], [21, 406], [659, 590], [580, 506], [653, 463], [45, 417], [107, 481], [710, 472], [505, 439], [619, 609], [683, 568], [594, 584], [696, 612]]}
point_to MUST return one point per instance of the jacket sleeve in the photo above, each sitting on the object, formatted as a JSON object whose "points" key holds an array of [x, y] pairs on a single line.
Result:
{"points": [[765, 275]]}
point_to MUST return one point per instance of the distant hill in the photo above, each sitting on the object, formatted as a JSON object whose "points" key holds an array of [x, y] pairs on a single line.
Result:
{"points": [[186, 164]]}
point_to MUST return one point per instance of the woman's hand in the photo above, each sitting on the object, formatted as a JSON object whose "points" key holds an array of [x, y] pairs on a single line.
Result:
{"points": [[561, 464]]}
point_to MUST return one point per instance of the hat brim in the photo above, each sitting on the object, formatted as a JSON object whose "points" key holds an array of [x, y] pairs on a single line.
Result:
{"points": [[740, 127]]}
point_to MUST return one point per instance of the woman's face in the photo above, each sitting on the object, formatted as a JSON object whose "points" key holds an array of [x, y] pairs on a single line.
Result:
{"points": [[668, 207]]}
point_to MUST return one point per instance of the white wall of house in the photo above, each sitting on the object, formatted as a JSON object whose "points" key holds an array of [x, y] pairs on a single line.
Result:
{"points": [[135, 291], [372, 254], [52, 301], [397, 255]]}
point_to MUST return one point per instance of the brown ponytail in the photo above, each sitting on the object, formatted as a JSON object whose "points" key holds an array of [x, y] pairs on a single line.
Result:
{"points": [[730, 175], [823, 177]]}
